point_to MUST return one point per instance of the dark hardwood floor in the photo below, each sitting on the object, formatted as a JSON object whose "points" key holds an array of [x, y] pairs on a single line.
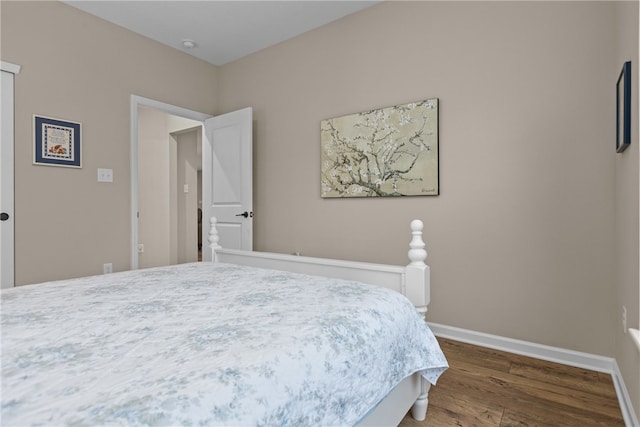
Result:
{"points": [[485, 387]]}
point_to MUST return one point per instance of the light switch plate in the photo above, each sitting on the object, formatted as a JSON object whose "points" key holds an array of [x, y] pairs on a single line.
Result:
{"points": [[105, 175]]}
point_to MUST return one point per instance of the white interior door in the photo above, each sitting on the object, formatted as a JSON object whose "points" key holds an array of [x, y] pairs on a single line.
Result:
{"points": [[6, 176], [227, 182]]}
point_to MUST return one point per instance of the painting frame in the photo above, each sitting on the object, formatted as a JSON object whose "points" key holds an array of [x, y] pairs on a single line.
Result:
{"points": [[385, 152], [623, 108], [57, 142]]}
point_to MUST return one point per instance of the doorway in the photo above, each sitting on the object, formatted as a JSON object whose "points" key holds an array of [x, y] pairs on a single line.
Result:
{"points": [[226, 178], [169, 191], [161, 230]]}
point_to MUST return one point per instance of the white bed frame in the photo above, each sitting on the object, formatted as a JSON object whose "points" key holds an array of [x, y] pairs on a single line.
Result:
{"points": [[412, 281]]}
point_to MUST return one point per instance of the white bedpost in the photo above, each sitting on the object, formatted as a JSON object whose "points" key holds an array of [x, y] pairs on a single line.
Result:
{"points": [[419, 408], [213, 237], [417, 273], [418, 287]]}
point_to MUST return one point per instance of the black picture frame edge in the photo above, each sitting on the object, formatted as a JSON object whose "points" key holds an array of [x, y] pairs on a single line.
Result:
{"points": [[623, 140], [37, 161]]}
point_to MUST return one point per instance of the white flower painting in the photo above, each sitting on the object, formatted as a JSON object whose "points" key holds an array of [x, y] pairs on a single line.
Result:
{"points": [[391, 151]]}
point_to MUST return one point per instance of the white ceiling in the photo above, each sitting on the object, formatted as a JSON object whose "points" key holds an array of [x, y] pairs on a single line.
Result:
{"points": [[222, 30]]}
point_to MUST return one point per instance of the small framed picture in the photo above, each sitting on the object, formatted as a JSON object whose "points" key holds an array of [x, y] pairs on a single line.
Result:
{"points": [[57, 142], [623, 108]]}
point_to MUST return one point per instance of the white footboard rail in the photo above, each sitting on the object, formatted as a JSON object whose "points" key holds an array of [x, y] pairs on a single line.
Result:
{"points": [[413, 280]]}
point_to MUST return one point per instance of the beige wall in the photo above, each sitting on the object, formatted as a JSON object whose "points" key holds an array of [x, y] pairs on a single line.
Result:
{"points": [[521, 239], [627, 217], [77, 67]]}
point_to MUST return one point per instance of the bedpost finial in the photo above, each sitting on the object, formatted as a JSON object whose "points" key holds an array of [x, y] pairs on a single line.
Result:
{"points": [[417, 253], [213, 234]]}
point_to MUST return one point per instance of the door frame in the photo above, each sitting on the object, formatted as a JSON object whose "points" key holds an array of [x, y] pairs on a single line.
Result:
{"points": [[7, 138], [137, 101]]}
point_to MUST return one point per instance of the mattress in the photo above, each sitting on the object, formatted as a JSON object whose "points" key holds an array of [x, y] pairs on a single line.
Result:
{"points": [[206, 344]]}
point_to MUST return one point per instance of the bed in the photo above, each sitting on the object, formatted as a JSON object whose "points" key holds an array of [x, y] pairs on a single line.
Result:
{"points": [[249, 339]]}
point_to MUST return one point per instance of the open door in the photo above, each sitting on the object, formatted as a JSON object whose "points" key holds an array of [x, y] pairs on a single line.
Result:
{"points": [[227, 182]]}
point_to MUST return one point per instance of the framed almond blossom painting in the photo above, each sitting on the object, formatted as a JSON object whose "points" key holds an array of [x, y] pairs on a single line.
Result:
{"points": [[391, 151]]}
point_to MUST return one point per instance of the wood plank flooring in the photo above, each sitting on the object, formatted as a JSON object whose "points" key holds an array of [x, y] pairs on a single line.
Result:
{"points": [[485, 387]]}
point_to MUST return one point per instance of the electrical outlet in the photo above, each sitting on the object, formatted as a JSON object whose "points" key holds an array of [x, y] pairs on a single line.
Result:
{"points": [[624, 319], [107, 268], [140, 248]]}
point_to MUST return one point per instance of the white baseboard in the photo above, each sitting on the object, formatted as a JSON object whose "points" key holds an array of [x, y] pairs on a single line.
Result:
{"points": [[552, 354]]}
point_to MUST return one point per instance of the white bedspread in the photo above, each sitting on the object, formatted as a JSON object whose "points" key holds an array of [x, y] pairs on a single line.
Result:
{"points": [[206, 344]]}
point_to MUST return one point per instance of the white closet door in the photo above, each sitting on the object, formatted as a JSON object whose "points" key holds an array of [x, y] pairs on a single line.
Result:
{"points": [[7, 259]]}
